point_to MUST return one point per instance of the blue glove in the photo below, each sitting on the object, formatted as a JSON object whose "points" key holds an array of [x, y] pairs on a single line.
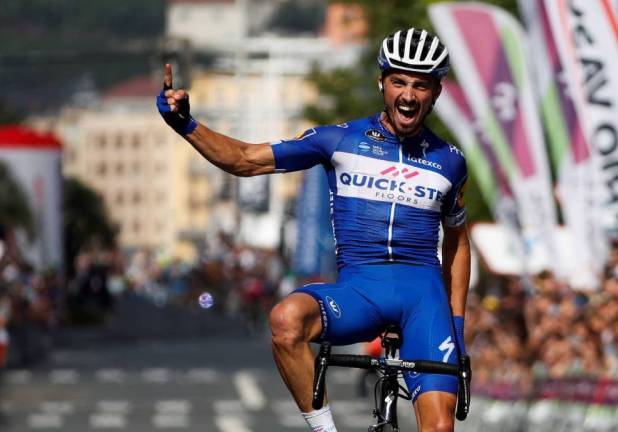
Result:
{"points": [[458, 323], [181, 120]]}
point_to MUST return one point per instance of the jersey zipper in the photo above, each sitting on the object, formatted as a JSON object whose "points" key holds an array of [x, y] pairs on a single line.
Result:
{"points": [[392, 216]]}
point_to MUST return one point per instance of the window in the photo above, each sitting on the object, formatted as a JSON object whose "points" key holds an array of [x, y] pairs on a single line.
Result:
{"points": [[102, 169], [136, 141], [119, 198]]}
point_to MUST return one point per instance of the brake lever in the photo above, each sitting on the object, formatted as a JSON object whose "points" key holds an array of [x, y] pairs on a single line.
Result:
{"points": [[463, 394]]}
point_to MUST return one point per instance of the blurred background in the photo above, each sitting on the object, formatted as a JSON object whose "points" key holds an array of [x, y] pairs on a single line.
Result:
{"points": [[112, 227]]}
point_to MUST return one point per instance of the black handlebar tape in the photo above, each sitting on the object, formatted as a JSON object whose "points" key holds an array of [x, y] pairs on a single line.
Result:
{"points": [[435, 367], [319, 378], [463, 393], [349, 360]]}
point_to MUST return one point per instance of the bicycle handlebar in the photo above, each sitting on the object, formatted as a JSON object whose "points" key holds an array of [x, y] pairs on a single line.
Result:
{"points": [[325, 359]]}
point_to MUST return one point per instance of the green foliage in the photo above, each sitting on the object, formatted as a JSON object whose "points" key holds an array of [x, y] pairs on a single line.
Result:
{"points": [[298, 16], [8, 115], [14, 206], [46, 46], [352, 93], [85, 220]]}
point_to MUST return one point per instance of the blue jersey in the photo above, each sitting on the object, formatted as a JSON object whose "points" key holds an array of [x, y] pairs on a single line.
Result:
{"points": [[388, 195]]}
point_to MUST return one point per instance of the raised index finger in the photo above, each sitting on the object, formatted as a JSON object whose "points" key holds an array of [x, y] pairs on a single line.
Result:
{"points": [[167, 77]]}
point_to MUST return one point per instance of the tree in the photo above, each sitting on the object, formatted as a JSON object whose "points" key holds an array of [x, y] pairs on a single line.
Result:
{"points": [[86, 222], [352, 93], [14, 206]]}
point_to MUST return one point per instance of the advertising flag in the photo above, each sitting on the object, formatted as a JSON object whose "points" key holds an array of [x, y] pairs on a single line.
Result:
{"points": [[486, 46], [315, 246], [570, 150], [455, 112], [586, 37]]}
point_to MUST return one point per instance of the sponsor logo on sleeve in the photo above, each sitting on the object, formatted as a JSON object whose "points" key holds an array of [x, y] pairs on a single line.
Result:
{"points": [[305, 134], [375, 135]]}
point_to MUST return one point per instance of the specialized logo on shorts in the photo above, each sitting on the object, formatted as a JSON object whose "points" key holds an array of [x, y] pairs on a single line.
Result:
{"points": [[333, 306], [448, 346], [375, 135]]}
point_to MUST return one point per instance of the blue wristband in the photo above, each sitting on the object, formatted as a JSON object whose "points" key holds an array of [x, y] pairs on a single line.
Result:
{"points": [[180, 121], [458, 323]]}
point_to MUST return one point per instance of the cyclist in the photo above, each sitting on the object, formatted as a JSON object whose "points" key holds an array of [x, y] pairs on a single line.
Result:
{"points": [[393, 182]]}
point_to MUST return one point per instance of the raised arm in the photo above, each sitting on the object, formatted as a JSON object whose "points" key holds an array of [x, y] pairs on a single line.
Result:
{"points": [[229, 154]]}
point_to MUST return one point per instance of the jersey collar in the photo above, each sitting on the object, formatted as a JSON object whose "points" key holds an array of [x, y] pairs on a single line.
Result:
{"points": [[394, 138]]}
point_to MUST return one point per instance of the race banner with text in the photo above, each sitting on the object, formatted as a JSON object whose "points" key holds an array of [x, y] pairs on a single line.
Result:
{"points": [[570, 151], [586, 36], [486, 45], [455, 112]]}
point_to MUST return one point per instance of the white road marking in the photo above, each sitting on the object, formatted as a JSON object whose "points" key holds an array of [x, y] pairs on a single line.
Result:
{"points": [[288, 413], [168, 421], [228, 406], [249, 391], [45, 421], [179, 406], [156, 375], [114, 406], [63, 376], [110, 375], [18, 376], [231, 424], [108, 421], [58, 407], [203, 375]]}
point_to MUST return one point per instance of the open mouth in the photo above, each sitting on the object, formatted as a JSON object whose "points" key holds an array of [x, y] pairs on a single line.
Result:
{"points": [[407, 111]]}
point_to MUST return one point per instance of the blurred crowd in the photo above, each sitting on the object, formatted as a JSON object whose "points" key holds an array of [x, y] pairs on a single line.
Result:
{"points": [[244, 282], [519, 332], [522, 334]]}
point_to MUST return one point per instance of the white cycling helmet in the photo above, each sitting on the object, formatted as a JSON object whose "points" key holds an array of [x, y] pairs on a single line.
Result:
{"points": [[414, 50]]}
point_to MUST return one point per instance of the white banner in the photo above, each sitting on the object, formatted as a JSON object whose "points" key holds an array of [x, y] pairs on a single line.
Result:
{"points": [[570, 150], [586, 34]]}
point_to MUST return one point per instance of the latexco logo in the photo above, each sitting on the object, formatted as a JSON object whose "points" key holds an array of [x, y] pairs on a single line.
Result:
{"points": [[333, 306]]}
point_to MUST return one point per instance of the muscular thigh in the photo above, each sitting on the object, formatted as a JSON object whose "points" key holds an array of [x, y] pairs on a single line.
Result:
{"points": [[347, 316]]}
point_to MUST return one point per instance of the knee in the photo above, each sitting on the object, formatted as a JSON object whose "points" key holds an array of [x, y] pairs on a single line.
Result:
{"points": [[287, 321]]}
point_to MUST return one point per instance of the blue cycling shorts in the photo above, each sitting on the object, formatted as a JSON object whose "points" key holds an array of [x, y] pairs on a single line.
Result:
{"points": [[367, 298]]}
